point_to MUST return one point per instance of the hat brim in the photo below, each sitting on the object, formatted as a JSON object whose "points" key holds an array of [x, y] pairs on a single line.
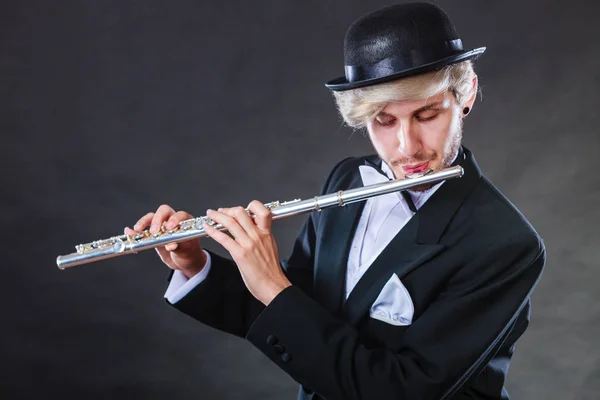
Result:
{"points": [[341, 83]]}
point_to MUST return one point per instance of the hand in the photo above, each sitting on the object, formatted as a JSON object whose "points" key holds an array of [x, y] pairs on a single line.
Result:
{"points": [[252, 247], [187, 256]]}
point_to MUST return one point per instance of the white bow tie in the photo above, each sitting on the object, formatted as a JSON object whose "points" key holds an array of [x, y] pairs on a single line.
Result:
{"points": [[371, 176]]}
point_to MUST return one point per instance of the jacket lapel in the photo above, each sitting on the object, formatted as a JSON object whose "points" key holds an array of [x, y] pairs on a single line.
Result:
{"points": [[331, 257], [401, 256], [437, 212]]}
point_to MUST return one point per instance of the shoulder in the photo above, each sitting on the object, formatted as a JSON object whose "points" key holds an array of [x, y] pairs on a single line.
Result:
{"points": [[495, 228], [490, 242], [493, 205]]}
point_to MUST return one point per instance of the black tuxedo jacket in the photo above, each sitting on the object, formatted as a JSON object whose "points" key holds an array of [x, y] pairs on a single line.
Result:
{"points": [[469, 260]]}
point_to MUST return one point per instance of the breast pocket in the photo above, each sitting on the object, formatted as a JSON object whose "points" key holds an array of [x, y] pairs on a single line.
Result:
{"points": [[394, 305]]}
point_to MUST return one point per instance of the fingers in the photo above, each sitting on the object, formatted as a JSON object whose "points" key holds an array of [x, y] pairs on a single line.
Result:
{"points": [[143, 222], [262, 215], [227, 218], [176, 218], [169, 247], [172, 246], [227, 242], [156, 220], [242, 217], [163, 213], [161, 250]]}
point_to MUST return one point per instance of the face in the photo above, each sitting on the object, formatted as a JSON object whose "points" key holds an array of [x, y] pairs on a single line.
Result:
{"points": [[412, 136]]}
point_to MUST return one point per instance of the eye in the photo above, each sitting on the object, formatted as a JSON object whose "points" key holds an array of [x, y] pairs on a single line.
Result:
{"points": [[385, 120], [427, 116]]}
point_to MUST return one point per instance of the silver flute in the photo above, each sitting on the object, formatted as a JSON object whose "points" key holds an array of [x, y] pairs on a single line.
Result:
{"points": [[194, 227]]}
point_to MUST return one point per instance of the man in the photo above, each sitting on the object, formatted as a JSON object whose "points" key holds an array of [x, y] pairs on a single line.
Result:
{"points": [[419, 295]]}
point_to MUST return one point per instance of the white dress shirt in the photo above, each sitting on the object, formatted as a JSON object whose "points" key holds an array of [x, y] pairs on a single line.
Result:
{"points": [[382, 218]]}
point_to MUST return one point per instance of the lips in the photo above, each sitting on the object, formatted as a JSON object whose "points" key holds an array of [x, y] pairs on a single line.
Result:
{"points": [[413, 169]]}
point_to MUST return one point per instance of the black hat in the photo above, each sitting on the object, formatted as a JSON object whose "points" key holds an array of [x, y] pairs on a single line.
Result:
{"points": [[399, 41]]}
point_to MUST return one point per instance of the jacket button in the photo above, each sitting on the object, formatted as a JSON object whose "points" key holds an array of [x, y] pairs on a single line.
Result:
{"points": [[286, 358], [272, 340], [278, 348]]}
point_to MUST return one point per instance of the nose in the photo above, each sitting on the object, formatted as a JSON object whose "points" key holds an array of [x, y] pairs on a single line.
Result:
{"points": [[409, 142]]}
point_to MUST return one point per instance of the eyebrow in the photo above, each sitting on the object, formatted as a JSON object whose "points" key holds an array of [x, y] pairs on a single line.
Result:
{"points": [[427, 107], [417, 111]]}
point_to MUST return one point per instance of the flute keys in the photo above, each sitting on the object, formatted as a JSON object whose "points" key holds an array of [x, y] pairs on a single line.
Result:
{"points": [[172, 231], [138, 236], [119, 246]]}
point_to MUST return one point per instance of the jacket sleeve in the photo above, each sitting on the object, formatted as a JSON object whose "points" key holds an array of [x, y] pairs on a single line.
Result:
{"points": [[452, 338], [222, 299]]}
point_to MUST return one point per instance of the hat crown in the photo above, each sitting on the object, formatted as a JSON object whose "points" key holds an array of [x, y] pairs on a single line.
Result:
{"points": [[397, 42], [397, 29]]}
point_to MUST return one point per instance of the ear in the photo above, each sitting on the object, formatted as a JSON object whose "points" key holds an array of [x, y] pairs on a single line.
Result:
{"points": [[469, 103]]}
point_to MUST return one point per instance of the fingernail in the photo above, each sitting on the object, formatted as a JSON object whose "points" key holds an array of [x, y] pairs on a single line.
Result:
{"points": [[170, 225], [209, 211], [220, 209], [136, 227], [154, 229]]}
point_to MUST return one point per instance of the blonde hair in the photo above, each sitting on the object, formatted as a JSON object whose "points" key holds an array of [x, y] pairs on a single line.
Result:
{"points": [[358, 106]]}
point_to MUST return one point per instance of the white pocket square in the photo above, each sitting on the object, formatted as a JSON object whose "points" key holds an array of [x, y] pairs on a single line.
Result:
{"points": [[393, 305]]}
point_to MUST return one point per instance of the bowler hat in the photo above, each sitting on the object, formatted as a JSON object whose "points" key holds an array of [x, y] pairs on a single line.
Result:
{"points": [[399, 41]]}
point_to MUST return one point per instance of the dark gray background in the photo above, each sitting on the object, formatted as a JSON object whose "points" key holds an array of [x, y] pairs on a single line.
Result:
{"points": [[111, 108]]}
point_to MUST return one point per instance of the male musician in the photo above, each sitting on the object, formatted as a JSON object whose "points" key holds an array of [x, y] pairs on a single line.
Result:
{"points": [[417, 295]]}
